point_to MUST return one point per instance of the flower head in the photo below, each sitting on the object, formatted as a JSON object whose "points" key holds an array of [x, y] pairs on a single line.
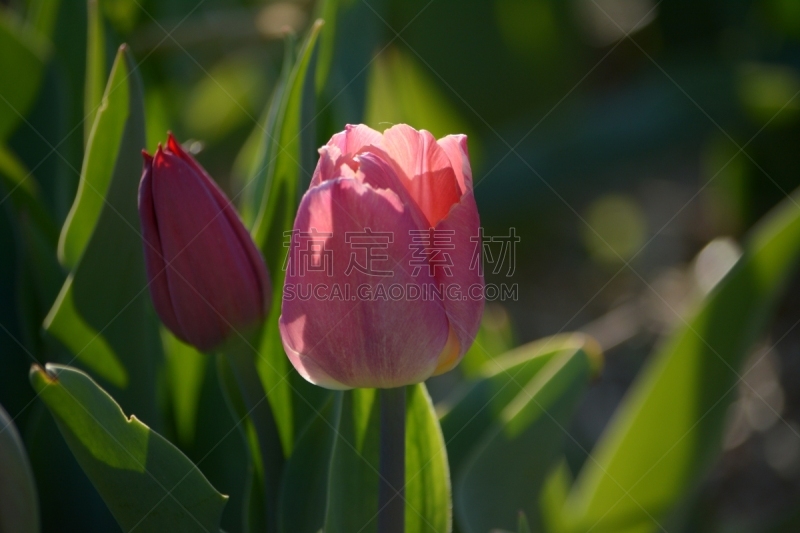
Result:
{"points": [[382, 288], [207, 278]]}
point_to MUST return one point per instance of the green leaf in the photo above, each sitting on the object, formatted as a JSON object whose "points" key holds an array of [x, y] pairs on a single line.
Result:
{"points": [[253, 501], [97, 171], [353, 474], [42, 15], [428, 494], [24, 54], [474, 411], [281, 169], [304, 487], [327, 11], [347, 51], [103, 313], [505, 471], [254, 164], [147, 483], [88, 346], [95, 66], [553, 496], [265, 446], [494, 337], [282, 166], [185, 370], [19, 505], [668, 428]]}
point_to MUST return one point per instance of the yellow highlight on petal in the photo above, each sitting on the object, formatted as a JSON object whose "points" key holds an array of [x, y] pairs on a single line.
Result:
{"points": [[448, 359]]}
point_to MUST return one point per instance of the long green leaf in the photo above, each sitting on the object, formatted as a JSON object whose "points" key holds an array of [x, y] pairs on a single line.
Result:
{"points": [[103, 313], [185, 370], [304, 487], [147, 483], [353, 474], [281, 170], [428, 491], [95, 66], [473, 412], [255, 161], [327, 11], [19, 505], [506, 469], [254, 518], [22, 62], [102, 148], [668, 428]]}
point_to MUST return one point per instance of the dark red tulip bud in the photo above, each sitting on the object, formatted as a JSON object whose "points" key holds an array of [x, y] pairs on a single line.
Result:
{"points": [[207, 278]]}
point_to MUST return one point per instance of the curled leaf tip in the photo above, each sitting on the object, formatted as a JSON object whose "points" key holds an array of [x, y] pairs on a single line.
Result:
{"points": [[39, 370]]}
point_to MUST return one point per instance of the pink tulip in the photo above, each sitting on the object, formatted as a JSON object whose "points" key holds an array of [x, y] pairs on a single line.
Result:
{"points": [[405, 199], [207, 278]]}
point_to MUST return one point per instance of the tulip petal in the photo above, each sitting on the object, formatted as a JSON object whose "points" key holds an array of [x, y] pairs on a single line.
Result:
{"points": [[359, 136], [450, 356], [153, 254], [228, 211], [210, 276], [340, 151], [378, 170], [464, 312], [327, 166], [455, 146], [305, 365], [360, 339], [428, 173]]}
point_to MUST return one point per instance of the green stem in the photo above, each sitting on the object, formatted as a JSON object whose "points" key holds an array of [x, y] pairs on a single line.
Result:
{"points": [[241, 358], [391, 500]]}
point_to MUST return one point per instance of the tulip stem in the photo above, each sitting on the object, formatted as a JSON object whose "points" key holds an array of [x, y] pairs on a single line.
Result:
{"points": [[391, 499], [241, 358]]}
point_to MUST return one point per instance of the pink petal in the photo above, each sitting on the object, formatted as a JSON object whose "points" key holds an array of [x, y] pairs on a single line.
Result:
{"points": [[328, 164], [455, 146], [360, 136], [380, 171], [341, 149], [464, 314], [306, 366], [429, 175], [357, 342]]}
